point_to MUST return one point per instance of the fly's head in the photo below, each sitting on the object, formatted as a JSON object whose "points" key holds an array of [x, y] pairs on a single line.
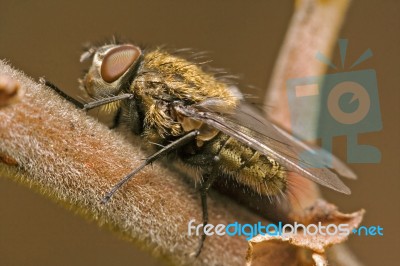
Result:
{"points": [[112, 69]]}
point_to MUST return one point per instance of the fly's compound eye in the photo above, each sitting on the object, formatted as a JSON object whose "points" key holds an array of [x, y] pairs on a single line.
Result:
{"points": [[117, 61]]}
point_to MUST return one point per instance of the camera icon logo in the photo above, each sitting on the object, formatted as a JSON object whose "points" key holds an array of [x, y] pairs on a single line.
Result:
{"points": [[358, 93], [349, 105]]}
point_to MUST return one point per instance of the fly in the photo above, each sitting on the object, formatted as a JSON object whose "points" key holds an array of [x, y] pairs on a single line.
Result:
{"points": [[176, 105]]}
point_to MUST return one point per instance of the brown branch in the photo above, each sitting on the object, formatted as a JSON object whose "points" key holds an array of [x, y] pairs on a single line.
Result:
{"points": [[314, 28], [48, 144]]}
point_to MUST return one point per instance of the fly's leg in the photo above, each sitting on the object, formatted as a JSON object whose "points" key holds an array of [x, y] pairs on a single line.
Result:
{"points": [[164, 151], [107, 100], [78, 104], [90, 105], [205, 186]]}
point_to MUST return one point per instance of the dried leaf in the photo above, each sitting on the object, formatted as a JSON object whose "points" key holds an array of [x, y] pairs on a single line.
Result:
{"points": [[306, 249], [320, 260]]}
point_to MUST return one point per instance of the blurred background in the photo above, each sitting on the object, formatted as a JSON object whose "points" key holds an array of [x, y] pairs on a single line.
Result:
{"points": [[44, 38]]}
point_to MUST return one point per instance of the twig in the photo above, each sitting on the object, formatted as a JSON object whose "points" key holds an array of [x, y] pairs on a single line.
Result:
{"points": [[70, 157], [314, 28]]}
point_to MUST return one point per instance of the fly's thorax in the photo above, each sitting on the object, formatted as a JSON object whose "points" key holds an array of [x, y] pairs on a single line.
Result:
{"points": [[248, 166], [181, 79], [163, 79]]}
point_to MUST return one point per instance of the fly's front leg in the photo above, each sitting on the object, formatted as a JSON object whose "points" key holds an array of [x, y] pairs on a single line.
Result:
{"points": [[60, 92], [90, 105], [205, 186]]}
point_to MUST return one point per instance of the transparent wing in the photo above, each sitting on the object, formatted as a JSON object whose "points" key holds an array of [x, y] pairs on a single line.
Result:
{"points": [[320, 156], [251, 129], [327, 158]]}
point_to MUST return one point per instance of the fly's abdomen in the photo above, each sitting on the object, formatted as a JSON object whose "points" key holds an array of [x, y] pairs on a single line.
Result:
{"points": [[248, 166]]}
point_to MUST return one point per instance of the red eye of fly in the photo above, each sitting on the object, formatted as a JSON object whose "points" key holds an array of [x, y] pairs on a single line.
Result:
{"points": [[117, 61]]}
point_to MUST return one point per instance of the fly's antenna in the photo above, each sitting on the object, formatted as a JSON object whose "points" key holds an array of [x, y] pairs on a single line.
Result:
{"points": [[88, 54]]}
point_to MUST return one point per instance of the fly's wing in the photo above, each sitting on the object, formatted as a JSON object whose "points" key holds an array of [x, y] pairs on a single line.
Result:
{"points": [[260, 134], [320, 156], [327, 158]]}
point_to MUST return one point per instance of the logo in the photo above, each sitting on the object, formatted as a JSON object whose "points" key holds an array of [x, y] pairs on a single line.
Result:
{"points": [[280, 229], [349, 106]]}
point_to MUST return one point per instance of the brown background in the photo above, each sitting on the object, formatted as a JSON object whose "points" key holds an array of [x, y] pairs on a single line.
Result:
{"points": [[44, 39]]}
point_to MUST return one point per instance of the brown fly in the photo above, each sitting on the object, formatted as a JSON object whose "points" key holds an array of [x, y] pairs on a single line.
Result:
{"points": [[176, 105]]}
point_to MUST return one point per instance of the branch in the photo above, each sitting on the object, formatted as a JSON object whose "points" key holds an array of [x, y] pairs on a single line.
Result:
{"points": [[314, 28], [63, 153]]}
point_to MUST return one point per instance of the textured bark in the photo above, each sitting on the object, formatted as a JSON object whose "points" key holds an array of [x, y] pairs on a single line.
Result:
{"points": [[48, 144]]}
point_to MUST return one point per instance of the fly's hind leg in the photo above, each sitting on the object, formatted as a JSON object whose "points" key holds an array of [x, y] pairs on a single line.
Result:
{"points": [[205, 186], [164, 151]]}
